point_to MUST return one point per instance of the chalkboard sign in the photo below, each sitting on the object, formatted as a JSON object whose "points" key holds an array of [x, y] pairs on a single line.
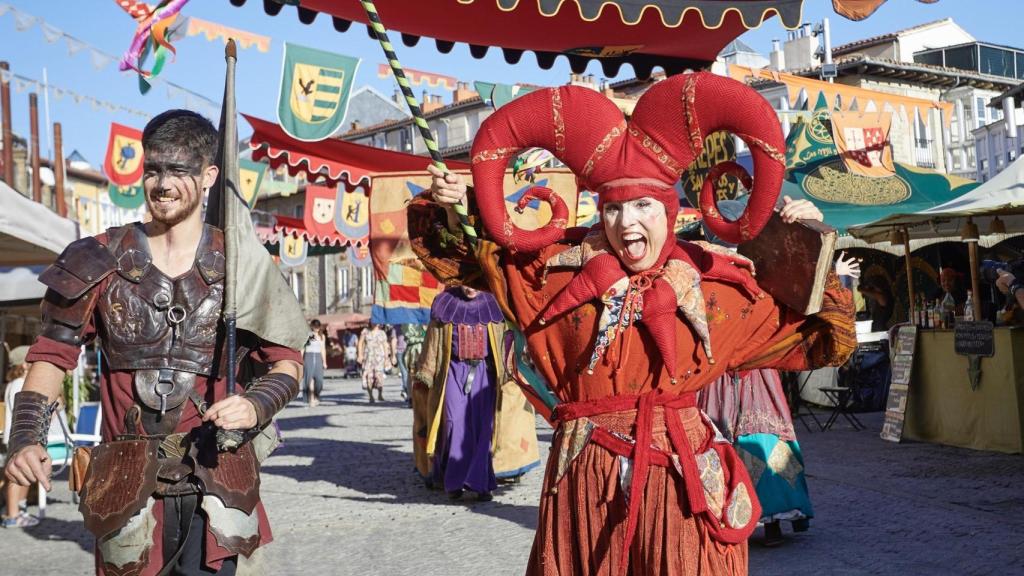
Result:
{"points": [[974, 339], [899, 385]]}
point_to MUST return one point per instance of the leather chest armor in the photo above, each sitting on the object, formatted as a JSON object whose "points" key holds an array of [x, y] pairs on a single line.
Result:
{"points": [[151, 321]]}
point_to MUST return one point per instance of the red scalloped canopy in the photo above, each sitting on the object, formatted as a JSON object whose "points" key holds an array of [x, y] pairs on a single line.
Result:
{"points": [[669, 33], [336, 160]]}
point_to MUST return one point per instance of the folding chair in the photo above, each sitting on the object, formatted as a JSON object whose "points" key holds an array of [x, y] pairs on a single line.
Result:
{"points": [[798, 408]]}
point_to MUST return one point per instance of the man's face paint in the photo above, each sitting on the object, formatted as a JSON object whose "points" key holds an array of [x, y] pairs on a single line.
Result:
{"points": [[173, 185], [637, 230]]}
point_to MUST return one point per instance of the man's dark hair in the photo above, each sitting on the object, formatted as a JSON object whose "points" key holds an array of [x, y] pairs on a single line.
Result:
{"points": [[182, 130]]}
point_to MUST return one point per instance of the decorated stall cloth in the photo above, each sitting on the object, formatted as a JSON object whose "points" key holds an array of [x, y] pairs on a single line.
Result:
{"points": [[816, 171], [404, 296]]}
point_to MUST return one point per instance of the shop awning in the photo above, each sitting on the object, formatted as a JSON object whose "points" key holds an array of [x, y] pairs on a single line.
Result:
{"points": [[20, 286], [269, 236], [31, 233], [673, 34], [1002, 197], [337, 161], [338, 321]]}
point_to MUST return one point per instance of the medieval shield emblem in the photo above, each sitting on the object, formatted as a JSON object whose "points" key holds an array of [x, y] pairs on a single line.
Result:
{"points": [[293, 249], [250, 178], [318, 217], [123, 163], [352, 214], [315, 86]]}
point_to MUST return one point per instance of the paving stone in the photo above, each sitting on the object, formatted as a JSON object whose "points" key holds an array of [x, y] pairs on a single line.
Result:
{"points": [[343, 498]]}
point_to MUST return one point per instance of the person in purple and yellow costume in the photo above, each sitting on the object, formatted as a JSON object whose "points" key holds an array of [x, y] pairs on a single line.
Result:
{"points": [[472, 424]]}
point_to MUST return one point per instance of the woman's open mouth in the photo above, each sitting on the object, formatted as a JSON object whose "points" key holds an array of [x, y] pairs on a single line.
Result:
{"points": [[635, 246]]}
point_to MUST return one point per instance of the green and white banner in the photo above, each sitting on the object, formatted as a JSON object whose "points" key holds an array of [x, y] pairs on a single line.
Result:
{"points": [[315, 86]]}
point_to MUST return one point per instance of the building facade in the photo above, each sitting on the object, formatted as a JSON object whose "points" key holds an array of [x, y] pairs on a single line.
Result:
{"points": [[932, 61]]}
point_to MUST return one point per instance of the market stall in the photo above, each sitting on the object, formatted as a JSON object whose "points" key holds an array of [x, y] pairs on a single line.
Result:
{"points": [[946, 403]]}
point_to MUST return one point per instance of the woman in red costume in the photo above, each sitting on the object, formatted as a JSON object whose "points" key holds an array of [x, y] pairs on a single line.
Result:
{"points": [[625, 324]]}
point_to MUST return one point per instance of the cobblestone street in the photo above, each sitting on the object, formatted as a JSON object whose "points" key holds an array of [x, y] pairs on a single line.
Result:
{"points": [[343, 499]]}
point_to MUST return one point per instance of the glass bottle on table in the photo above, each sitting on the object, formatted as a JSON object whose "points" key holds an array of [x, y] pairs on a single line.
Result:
{"points": [[948, 310], [969, 307]]}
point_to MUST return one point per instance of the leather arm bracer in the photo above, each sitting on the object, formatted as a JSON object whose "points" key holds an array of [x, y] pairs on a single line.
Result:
{"points": [[270, 394], [30, 421]]}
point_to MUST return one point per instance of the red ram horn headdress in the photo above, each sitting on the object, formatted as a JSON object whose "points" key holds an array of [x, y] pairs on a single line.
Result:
{"points": [[624, 161]]}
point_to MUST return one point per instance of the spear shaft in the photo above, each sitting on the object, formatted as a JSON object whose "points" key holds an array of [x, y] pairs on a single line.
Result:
{"points": [[417, 114]]}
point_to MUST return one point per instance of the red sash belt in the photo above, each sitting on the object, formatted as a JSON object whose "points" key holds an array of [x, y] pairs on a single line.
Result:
{"points": [[642, 452]]}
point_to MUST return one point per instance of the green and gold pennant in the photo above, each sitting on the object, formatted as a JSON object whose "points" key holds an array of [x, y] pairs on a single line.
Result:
{"points": [[250, 178], [315, 86]]}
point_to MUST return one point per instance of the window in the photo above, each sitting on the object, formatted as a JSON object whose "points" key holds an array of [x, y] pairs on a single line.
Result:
{"points": [[342, 282], [970, 158], [299, 211], [980, 103], [299, 286], [366, 283], [964, 57], [996, 61], [405, 140]]}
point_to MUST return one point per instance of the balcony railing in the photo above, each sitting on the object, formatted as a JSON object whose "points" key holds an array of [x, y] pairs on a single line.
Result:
{"points": [[924, 156]]}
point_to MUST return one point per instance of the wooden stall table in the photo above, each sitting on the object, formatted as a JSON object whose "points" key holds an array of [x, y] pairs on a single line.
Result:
{"points": [[942, 407]]}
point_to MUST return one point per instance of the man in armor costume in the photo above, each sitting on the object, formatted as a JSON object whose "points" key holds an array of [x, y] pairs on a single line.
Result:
{"points": [[158, 495], [623, 324]]}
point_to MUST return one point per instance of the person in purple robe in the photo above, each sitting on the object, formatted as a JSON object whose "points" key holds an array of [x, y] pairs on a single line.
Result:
{"points": [[462, 377]]}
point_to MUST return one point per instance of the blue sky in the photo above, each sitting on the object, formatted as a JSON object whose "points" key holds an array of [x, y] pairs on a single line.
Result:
{"points": [[199, 65]]}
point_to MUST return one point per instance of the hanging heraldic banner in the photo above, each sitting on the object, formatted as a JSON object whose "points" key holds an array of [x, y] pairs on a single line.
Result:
{"points": [[123, 163], [315, 86]]}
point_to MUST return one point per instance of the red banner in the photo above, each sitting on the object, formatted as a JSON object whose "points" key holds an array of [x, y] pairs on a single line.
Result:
{"points": [[123, 163]]}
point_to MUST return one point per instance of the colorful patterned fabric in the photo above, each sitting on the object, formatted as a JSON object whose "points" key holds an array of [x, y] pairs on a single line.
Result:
{"points": [[776, 469], [404, 296]]}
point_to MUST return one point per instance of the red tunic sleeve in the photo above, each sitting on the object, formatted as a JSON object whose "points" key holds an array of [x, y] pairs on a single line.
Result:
{"points": [[787, 340], [268, 353]]}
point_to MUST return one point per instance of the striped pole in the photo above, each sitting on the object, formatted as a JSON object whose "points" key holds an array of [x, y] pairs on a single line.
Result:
{"points": [[414, 108]]}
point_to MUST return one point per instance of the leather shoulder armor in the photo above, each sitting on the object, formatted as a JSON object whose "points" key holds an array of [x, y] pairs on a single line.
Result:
{"points": [[82, 265], [70, 299]]}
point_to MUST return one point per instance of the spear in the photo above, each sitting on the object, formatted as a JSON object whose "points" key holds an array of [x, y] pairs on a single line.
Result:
{"points": [[228, 183], [417, 115]]}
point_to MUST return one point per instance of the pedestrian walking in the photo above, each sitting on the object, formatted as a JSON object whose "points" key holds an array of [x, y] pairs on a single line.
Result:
{"points": [[314, 363]]}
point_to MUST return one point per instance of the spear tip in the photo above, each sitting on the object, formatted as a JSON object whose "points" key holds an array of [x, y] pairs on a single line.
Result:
{"points": [[230, 51]]}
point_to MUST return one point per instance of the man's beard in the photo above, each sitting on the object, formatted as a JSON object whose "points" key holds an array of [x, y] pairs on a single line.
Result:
{"points": [[177, 215]]}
